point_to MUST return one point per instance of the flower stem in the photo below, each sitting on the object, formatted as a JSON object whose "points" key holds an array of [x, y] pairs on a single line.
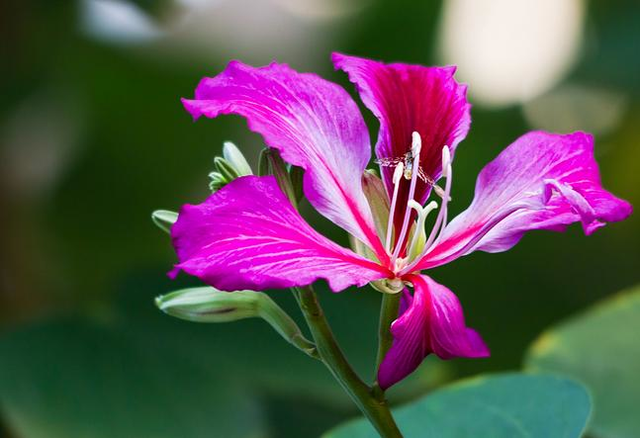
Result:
{"points": [[388, 313], [374, 408]]}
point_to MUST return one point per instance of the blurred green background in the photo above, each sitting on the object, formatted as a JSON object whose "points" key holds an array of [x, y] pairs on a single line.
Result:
{"points": [[93, 138]]}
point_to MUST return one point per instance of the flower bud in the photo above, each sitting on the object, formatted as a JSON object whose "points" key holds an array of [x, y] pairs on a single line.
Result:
{"points": [[230, 166], [164, 219], [207, 304], [232, 154]]}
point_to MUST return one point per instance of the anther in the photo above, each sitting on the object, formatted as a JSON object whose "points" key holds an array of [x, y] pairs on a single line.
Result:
{"points": [[397, 173], [416, 143], [446, 161]]}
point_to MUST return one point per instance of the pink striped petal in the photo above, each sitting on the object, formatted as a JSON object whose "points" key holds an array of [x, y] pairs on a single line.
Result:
{"points": [[541, 181], [407, 98], [313, 123], [248, 236], [429, 322]]}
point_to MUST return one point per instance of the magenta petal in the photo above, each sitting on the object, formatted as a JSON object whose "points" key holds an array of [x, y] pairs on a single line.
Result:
{"points": [[541, 181], [407, 98], [313, 123], [248, 236], [431, 322]]}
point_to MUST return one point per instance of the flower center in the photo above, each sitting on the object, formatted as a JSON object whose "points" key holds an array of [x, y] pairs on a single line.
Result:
{"points": [[410, 170]]}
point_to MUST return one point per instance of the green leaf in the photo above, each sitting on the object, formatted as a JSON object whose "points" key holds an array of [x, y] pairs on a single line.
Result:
{"points": [[76, 379], [601, 349], [507, 405]]}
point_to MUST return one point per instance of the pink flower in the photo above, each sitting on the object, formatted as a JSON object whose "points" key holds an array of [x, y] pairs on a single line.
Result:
{"points": [[249, 236]]}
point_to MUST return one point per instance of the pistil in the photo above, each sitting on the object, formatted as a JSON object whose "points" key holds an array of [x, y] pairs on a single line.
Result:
{"points": [[422, 217]]}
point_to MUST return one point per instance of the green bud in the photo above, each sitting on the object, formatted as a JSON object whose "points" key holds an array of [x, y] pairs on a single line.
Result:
{"points": [[207, 304], [225, 169], [229, 167], [233, 155], [164, 219]]}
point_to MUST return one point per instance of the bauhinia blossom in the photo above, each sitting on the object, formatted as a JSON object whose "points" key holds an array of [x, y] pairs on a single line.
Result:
{"points": [[249, 236]]}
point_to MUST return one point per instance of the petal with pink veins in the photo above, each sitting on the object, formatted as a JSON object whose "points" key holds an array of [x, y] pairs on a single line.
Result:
{"points": [[312, 122], [429, 322], [248, 236], [542, 181], [407, 98]]}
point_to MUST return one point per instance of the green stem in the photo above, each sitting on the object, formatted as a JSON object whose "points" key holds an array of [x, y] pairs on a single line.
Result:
{"points": [[388, 313], [374, 408]]}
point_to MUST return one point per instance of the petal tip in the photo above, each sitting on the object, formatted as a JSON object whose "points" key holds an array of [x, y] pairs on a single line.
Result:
{"points": [[172, 274], [191, 107]]}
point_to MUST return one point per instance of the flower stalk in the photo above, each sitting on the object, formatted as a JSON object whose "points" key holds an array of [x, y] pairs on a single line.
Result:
{"points": [[374, 408], [388, 313]]}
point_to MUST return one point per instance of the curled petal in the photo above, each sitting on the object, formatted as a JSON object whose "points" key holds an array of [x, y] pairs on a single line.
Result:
{"points": [[248, 236], [541, 181], [312, 122], [429, 322], [407, 98]]}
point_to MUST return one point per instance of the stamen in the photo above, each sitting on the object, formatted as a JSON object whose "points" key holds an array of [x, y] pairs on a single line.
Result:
{"points": [[416, 146], [422, 217], [397, 175], [441, 220]]}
